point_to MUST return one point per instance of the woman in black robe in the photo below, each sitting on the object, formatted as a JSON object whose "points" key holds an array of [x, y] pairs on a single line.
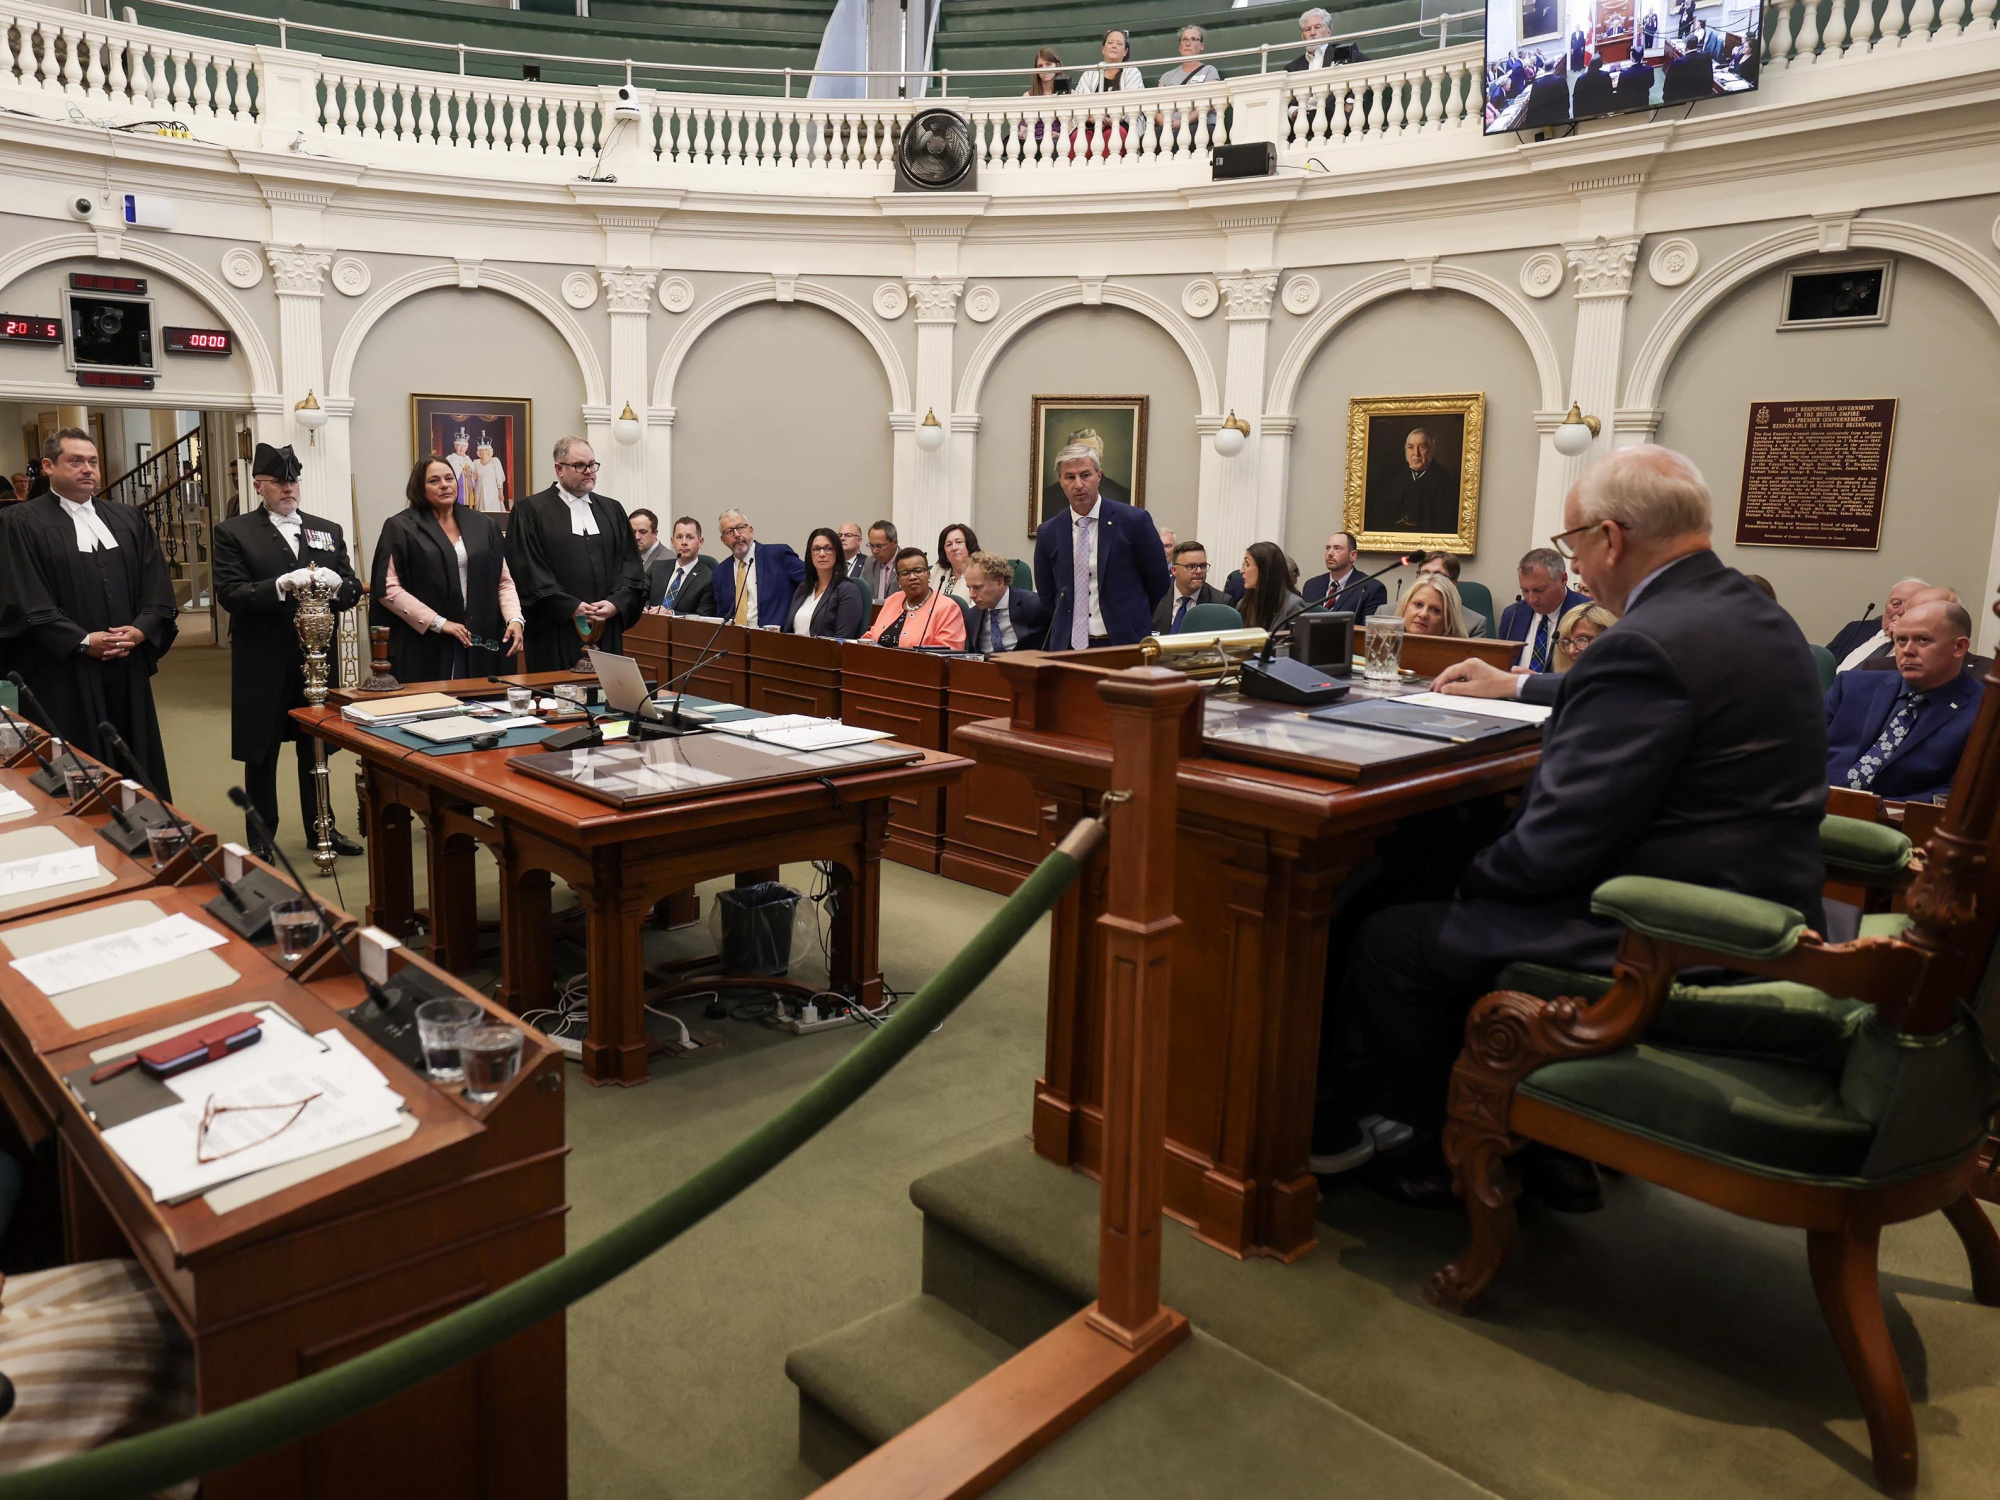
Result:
{"points": [[441, 585]]}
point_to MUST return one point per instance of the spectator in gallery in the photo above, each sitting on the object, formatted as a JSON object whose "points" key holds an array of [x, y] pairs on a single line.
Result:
{"points": [[1114, 76], [1320, 51], [1050, 77], [827, 603], [1580, 626], [956, 544], [918, 616], [1190, 69], [1432, 607], [1268, 600], [1004, 618]]}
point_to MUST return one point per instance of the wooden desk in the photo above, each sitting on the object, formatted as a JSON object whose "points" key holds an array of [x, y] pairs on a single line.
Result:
{"points": [[619, 863], [325, 1269], [1261, 855], [993, 816], [901, 693]]}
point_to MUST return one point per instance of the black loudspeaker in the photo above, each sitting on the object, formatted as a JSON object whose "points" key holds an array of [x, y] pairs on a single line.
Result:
{"points": [[935, 154], [1324, 639], [1251, 159]]}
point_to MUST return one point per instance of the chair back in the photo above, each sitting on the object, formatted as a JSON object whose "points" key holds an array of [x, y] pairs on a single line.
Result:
{"points": [[1828, 667], [1024, 576], [1211, 617], [1479, 597], [709, 560]]}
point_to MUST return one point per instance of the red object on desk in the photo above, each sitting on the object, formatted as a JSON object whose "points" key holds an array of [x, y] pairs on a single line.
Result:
{"points": [[205, 1044]]}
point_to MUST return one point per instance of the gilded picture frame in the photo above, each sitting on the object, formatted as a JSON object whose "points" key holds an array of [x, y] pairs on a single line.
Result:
{"points": [[1119, 425], [1390, 507], [505, 421]]}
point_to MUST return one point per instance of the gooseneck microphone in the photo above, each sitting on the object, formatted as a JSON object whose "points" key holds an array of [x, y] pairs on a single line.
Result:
{"points": [[124, 753], [23, 728], [48, 779], [261, 831], [708, 653]]}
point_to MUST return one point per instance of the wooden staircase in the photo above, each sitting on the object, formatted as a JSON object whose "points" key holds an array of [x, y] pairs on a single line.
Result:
{"points": [[171, 489]]}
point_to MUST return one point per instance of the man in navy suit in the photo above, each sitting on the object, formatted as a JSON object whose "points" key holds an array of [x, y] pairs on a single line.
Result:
{"points": [[1899, 734], [1099, 565], [773, 571], [1533, 618], [1342, 579], [1003, 618]]}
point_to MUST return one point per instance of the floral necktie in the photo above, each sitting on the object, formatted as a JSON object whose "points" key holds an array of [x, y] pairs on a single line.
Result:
{"points": [[1861, 775]]}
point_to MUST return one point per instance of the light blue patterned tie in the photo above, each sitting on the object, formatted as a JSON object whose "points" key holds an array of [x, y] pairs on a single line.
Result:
{"points": [[1079, 588], [1861, 775]]}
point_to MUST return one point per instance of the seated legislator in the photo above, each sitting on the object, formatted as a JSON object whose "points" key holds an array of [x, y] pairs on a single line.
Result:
{"points": [[1863, 642], [827, 603], [1477, 626], [756, 582], [1663, 757], [678, 583], [441, 583], [956, 544], [1191, 587], [1341, 586], [1004, 618], [1535, 617], [1268, 600], [920, 615], [1432, 607], [1900, 734], [1580, 626]]}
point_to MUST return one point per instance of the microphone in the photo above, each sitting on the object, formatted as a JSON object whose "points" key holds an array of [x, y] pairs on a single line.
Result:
{"points": [[124, 752], [48, 779], [21, 728], [261, 831], [709, 652], [136, 835]]}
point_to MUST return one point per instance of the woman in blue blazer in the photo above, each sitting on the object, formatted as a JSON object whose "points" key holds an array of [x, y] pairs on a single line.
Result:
{"points": [[826, 603]]}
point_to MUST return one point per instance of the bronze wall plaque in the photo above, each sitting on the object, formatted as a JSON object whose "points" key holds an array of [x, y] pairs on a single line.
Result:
{"points": [[1814, 473]]}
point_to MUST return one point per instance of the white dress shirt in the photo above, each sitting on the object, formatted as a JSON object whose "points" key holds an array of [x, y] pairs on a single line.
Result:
{"points": [[582, 517], [998, 630], [1547, 622], [289, 527], [1863, 651], [1096, 514], [677, 581], [91, 532]]}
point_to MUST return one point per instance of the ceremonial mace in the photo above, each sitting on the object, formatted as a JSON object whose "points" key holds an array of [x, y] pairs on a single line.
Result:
{"points": [[315, 624]]}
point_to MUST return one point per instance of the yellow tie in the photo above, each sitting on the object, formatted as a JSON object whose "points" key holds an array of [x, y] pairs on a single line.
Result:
{"points": [[742, 616]]}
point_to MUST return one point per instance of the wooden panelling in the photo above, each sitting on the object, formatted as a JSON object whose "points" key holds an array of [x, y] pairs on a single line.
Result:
{"points": [[901, 693], [993, 818]]}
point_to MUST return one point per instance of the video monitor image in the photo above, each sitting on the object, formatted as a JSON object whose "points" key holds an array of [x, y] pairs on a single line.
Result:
{"points": [[1552, 62]]}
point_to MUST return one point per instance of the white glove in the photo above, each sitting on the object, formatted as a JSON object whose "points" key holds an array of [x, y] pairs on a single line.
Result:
{"points": [[294, 579], [326, 578]]}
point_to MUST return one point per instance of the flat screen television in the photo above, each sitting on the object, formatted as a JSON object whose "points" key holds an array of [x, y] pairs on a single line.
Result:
{"points": [[1551, 63]]}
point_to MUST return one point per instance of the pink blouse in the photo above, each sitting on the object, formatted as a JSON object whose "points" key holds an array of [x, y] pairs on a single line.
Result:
{"points": [[936, 622], [418, 615]]}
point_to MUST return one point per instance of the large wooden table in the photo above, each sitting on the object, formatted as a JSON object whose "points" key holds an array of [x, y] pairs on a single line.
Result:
{"points": [[1262, 854], [621, 863], [325, 1269]]}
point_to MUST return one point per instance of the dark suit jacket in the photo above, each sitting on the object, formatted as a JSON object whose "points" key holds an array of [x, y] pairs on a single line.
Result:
{"points": [[1357, 598], [1132, 573], [696, 596], [1858, 705], [1517, 619], [1690, 77], [1593, 93], [779, 570], [840, 615], [266, 663], [1852, 634], [1548, 102], [1634, 88], [1694, 764], [1025, 612], [1426, 503], [1163, 612]]}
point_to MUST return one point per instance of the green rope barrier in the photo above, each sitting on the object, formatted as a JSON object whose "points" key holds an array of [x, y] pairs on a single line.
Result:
{"points": [[140, 1465]]}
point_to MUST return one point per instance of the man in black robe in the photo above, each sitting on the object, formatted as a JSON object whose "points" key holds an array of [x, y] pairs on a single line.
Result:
{"points": [[570, 552], [261, 556], [86, 608]]}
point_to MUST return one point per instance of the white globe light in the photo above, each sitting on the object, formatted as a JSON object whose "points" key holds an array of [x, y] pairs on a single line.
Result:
{"points": [[1231, 436], [625, 427], [1572, 438], [930, 432]]}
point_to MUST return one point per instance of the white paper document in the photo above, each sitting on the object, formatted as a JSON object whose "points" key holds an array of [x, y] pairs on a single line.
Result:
{"points": [[770, 724], [830, 735], [44, 871], [14, 805], [1493, 708], [117, 954]]}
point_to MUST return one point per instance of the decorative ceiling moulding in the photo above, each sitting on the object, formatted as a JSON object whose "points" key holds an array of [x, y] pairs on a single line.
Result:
{"points": [[676, 294], [1092, 287], [351, 276], [891, 300], [1249, 295], [579, 289], [1423, 272], [1200, 298], [936, 299], [1674, 261], [1542, 274], [982, 304], [1611, 182], [468, 273], [1836, 232], [298, 271], [1301, 295], [110, 244], [785, 285], [630, 290], [1603, 266]]}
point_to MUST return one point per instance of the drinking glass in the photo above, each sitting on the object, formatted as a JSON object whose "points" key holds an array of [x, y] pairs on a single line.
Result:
{"points": [[1383, 659], [440, 1025], [164, 841], [80, 781], [520, 701], [296, 926], [490, 1055]]}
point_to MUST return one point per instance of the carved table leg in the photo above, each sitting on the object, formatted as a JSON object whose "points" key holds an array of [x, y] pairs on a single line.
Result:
{"points": [[527, 971], [392, 897], [856, 962], [454, 911], [615, 1049]]}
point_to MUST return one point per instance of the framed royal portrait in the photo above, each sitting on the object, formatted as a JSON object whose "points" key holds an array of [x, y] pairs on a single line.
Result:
{"points": [[1114, 425], [1413, 471], [485, 439]]}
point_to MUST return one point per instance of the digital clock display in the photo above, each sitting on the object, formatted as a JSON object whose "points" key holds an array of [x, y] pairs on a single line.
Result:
{"points": [[199, 341], [23, 330]]}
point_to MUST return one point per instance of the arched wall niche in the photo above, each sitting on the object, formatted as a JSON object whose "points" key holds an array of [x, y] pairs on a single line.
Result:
{"points": [[1414, 344], [1071, 350], [781, 410], [450, 342]]}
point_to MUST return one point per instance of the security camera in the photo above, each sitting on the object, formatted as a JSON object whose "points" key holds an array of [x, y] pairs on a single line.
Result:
{"points": [[83, 209], [627, 107]]}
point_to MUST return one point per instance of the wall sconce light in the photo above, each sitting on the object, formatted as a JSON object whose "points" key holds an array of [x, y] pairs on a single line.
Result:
{"points": [[311, 416], [625, 427], [1576, 431], [930, 432], [1232, 435]]}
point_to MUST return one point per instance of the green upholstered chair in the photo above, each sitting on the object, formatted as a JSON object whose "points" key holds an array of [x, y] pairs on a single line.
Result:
{"points": [[709, 560], [1478, 596], [1842, 1088], [1828, 667], [1211, 617], [1024, 576]]}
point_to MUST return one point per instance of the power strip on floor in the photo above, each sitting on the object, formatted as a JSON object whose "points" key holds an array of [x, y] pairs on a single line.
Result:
{"points": [[798, 1027]]}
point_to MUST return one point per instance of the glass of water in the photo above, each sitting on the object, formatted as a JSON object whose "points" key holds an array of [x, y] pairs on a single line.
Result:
{"points": [[296, 926], [490, 1056], [163, 842], [520, 701], [81, 783], [1382, 660], [440, 1026]]}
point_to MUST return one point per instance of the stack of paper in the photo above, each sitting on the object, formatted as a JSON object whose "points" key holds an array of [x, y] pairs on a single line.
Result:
{"points": [[328, 1092], [801, 732], [1492, 708], [14, 805], [383, 711]]}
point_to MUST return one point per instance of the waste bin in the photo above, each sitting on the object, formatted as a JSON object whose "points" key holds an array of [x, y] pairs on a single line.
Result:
{"points": [[757, 928]]}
